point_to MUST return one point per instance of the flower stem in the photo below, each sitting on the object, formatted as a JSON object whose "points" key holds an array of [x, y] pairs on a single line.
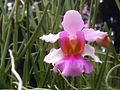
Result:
{"points": [[15, 31], [27, 56], [3, 46], [4, 52]]}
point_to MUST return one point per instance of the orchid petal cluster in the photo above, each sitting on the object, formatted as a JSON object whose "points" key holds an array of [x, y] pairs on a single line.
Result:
{"points": [[69, 59]]}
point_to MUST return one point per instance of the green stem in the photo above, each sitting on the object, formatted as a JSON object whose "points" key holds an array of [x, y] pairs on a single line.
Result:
{"points": [[46, 75], [23, 11], [101, 73], [34, 36], [95, 13], [52, 82], [5, 47], [27, 56], [68, 82], [59, 9], [3, 8], [15, 32], [108, 74], [3, 33], [81, 5], [91, 10], [34, 69]]}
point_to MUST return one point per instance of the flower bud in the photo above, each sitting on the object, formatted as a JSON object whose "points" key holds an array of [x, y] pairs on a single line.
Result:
{"points": [[105, 42]]}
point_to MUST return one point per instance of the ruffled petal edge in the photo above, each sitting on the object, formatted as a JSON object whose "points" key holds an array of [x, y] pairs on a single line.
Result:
{"points": [[90, 51], [52, 38], [54, 56]]}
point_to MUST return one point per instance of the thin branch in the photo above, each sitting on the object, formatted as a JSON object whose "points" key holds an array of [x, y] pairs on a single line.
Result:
{"points": [[22, 2], [108, 74], [68, 81]]}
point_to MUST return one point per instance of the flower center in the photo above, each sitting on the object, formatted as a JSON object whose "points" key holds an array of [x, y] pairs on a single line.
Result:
{"points": [[71, 46]]}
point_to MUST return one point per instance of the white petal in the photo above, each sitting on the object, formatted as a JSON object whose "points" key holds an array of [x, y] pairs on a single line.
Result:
{"points": [[91, 35], [54, 56], [52, 38], [90, 51]]}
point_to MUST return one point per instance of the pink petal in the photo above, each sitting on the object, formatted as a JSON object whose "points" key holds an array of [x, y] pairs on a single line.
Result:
{"points": [[88, 67], [72, 22], [54, 56], [91, 35], [90, 51], [52, 38], [73, 66]]}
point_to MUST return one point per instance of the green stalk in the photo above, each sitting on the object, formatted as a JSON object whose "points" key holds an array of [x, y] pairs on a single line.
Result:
{"points": [[34, 36], [81, 5], [91, 10], [23, 11], [95, 13], [15, 31], [108, 74], [3, 8], [99, 78], [3, 32], [34, 69], [68, 82], [11, 14], [1, 41], [46, 75], [4, 52], [59, 9], [31, 20], [27, 56], [53, 81], [80, 82]]}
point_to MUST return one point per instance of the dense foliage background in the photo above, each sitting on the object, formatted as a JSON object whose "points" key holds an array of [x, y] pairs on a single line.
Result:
{"points": [[22, 22]]}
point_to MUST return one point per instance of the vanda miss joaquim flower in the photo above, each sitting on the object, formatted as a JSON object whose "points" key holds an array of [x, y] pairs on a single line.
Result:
{"points": [[69, 58]]}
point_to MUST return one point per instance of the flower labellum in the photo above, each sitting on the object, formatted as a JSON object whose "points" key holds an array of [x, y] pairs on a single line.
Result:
{"points": [[69, 58]]}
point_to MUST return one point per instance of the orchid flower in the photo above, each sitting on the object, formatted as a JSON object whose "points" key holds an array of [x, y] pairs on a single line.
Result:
{"points": [[69, 58]]}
